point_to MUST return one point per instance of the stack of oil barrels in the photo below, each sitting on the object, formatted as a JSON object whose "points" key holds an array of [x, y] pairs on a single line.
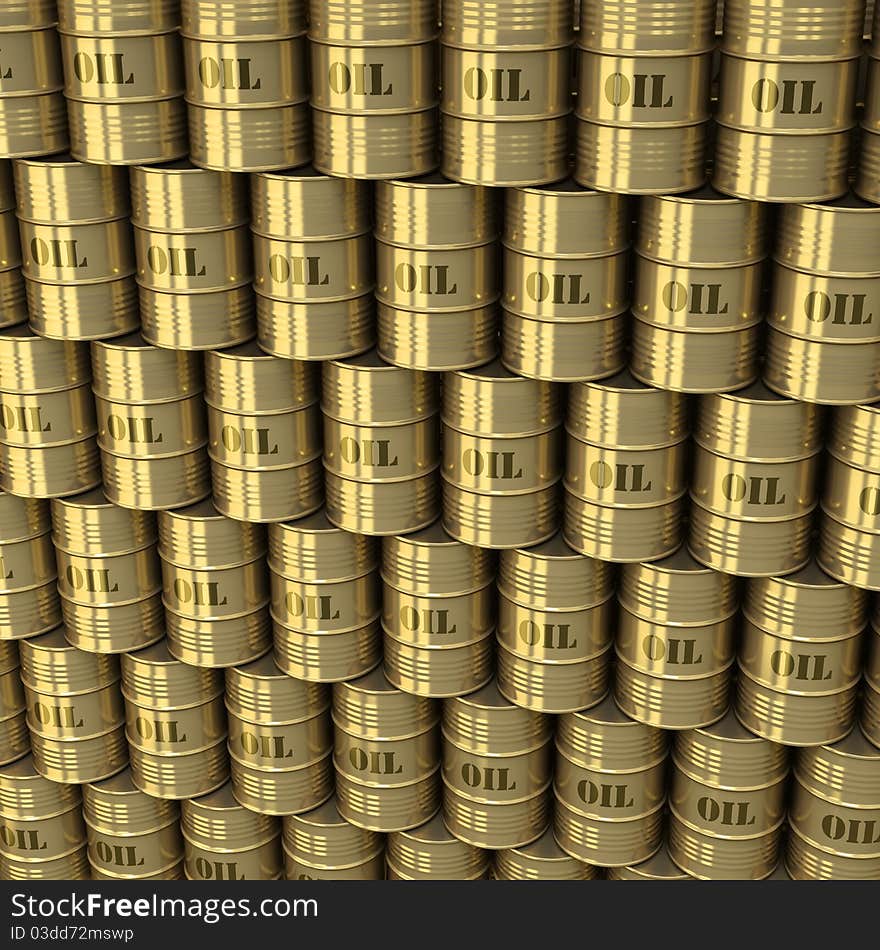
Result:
{"points": [[439, 439]]}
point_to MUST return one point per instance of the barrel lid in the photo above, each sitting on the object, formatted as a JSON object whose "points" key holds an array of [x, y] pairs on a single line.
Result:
{"points": [[606, 739], [49, 664], [491, 400], [808, 603], [246, 379], [431, 562], [314, 549], [726, 755], [677, 590], [91, 524], [260, 692], [199, 536], [622, 412], [757, 424], [553, 575], [371, 707], [153, 678], [487, 723], [365, 390]]}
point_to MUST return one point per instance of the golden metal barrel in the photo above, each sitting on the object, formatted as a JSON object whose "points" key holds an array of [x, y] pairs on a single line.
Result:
{"points": [[320, 845], [225, 842]]}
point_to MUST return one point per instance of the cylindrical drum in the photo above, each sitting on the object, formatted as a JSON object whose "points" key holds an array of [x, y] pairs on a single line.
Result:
{"points": [[505, 91], [13, 298], [225, 842], [175, 724], [75, 711], [850, 528], [132, 836], [381, 445], [43, 835], [47, 436], [215, 586], [753, 488], [33, 117], [823, 345], [320, 845], [264, 427], [29, 601], [565, 289], [78, 257], [502, 457], [109, 575], [497, 770], [152, 430], [124, 81], [727, 802], [554, 627], [800, 657], [374, 89], [386, 754], [643, 95], [364, 135], [280, 739], [675, 642], [624, 479], [193, 249], [697, 301], [437, 278], [246, 84], [609, 786], [326, 600], [786, 101], [835, 812], [313, 263], [14, 735], [438, 613]]}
